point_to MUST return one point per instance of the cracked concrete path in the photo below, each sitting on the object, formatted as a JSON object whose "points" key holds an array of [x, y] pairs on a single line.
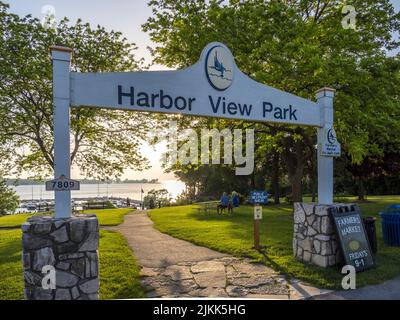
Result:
{"points": [[154, 249], [175, 268]]}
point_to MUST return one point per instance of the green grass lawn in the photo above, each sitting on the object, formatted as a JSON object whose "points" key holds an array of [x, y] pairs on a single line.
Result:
{"points": [[107, 217], [14, 220], [234, 235], [119, 273], [110, 217], [11, 278]]}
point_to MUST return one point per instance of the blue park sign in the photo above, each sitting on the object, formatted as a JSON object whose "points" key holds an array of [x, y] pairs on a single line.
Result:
{"points": [[259, 196]]}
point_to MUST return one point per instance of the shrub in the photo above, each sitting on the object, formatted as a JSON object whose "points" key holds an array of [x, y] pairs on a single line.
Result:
{"points": [[9, 200]]}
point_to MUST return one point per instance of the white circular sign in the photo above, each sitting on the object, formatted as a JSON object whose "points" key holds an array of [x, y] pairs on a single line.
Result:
{"points": [[219, 67], [331, 136]]}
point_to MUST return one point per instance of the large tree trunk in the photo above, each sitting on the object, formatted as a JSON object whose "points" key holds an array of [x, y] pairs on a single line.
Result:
{"points": [[361, 189], [295, 166], [313, 189], [275, 177], [313, 177], [297, 194], [253, 180]]}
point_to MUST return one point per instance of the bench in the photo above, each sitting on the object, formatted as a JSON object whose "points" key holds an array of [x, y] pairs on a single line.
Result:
{"points": [[207, 206]]}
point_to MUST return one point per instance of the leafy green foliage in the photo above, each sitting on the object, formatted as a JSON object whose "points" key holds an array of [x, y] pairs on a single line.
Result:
{"points": [[297, 46], [157, 198], [104, 142], [9, 200]]}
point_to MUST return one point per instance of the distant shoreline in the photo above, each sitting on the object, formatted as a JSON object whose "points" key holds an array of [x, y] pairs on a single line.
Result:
{"points": [[24, 182], [96, 190]]}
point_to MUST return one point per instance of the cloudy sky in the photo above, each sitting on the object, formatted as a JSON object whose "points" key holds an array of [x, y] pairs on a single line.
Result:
{"points": [[126, 16]]}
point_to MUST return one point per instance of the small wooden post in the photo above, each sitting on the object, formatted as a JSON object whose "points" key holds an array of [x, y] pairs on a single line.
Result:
{"points": [[257, 218], [257, 234]]}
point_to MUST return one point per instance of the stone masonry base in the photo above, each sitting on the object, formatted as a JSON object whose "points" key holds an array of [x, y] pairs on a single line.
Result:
{"points": [[314, 238], [70, 246]]}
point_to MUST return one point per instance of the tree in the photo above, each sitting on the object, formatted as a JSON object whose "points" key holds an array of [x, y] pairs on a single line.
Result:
{"points": [[208, 181], [9, 200], [157, 198], [104, 142], [297, 46], [386, 164]]}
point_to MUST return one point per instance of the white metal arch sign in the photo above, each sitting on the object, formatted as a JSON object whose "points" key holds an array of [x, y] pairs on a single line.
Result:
{"points": [[212, 87]]}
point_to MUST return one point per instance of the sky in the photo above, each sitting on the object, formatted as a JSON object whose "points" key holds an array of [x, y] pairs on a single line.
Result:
{"points": [[126, 16]]}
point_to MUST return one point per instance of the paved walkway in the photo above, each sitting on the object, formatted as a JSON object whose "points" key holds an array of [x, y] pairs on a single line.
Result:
{"points": [[177, 268], [389, 290]]}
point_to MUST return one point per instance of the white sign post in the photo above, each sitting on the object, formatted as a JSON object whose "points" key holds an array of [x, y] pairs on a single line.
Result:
{"points": [[325, 163], [212, 87], [61, 95]]}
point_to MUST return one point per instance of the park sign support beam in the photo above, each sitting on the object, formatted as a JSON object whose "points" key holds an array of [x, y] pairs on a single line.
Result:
{"points": [[61, 57], [212, 87], [325, 163], [49, 244]]}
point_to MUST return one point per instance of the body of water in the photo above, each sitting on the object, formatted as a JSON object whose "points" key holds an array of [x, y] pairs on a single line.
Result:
{"points": [[120, 190]]}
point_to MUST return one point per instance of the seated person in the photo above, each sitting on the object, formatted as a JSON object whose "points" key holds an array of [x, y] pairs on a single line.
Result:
{"points": [[223, 203], [230, 205], [235, 199]]}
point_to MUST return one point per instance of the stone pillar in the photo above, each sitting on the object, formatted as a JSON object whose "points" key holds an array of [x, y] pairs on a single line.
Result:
{"points": [[314, 237], [70, 246]]}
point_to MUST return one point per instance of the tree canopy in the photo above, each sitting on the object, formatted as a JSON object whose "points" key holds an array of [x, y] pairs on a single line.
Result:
{"points": [[103, 143], [9, 200], [298, 46]]}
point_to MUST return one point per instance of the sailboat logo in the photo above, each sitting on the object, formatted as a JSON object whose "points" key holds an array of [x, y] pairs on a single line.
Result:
{"points": [[331, 136], [219, 67]]}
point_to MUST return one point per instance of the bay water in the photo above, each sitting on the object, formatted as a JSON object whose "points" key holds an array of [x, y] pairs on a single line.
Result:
{"points": [[119, 190]]}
